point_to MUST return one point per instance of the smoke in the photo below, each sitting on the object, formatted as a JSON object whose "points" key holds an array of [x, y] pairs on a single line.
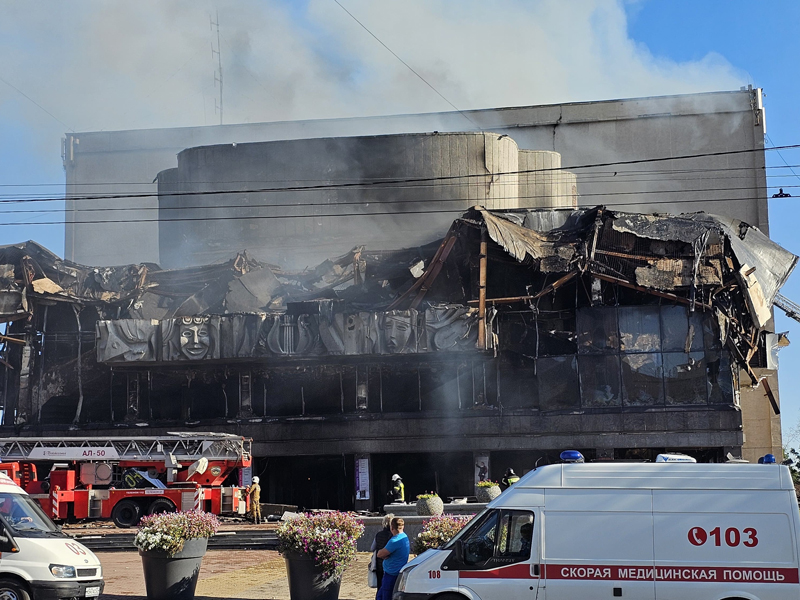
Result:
{"points": [[137, 64], [101, 65]]}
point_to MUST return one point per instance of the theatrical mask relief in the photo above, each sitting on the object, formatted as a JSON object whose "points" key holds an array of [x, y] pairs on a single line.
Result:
{"points": [[198, 338]]}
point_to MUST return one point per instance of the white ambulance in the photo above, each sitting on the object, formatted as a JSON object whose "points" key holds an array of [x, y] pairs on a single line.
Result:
{"points": [[638, 531], [37, 560]]}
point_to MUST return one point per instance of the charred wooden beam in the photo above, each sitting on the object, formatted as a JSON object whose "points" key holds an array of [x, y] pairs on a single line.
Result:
{"points": [[645, 290], [483, 264], [513, 299]]}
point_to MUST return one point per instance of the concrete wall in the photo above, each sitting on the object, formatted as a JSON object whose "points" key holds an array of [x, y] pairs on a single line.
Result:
{"points": [[584, 133], [761, 425], [301, 228], [481, 431]]}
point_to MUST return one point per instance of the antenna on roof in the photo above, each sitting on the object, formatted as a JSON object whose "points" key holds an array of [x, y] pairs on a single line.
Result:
{"points": [[218, 72]]}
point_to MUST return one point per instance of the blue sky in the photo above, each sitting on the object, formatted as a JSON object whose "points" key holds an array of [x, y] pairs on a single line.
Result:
{"points": [[127, 65], [756, 38]]}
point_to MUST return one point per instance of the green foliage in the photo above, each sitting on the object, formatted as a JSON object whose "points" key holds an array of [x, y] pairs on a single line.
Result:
{"points": [[437, 531], [169, 531], [486, 484], [792, 460], [329, 538], [427, 496]]}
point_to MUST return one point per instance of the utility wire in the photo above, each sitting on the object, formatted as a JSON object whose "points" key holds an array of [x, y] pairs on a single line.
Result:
{"points": [[388, 202], [611, 177], [425, 81], [33, 198], [389, 182], [784, 160], [20, 92], [353, 214]]}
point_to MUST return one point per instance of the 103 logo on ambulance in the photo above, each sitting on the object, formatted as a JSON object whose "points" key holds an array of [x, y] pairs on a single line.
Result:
{"points": [[732, 536]]}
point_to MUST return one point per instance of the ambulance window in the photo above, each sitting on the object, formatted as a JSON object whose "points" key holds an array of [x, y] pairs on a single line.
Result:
{"points": [[479, 544], [23, 515], [515, 534]]}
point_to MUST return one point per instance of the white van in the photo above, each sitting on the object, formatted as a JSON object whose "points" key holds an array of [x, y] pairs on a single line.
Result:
{"points": [[37, 560], [637, 531]]}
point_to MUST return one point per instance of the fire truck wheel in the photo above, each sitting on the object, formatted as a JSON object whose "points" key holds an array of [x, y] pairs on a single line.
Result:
{"points": [[12, 590], [126, 514], [162, 505]]}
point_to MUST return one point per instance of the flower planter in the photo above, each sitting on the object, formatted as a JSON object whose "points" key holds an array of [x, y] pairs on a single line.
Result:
{"points": [[487, 494], [173, 577], [306, 581], [430, 507]]}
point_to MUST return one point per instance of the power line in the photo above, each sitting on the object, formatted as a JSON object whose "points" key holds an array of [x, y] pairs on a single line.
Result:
{"points": [[783, 159], [353, 214], [19, 91], [389, 182], [407, 65], [389, 202], [611, 175]]}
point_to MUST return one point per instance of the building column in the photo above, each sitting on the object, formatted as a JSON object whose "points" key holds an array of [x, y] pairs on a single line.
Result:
{"points": [[364, 494], [132, 399], [245, 395], [482, 467], [604, 453]]}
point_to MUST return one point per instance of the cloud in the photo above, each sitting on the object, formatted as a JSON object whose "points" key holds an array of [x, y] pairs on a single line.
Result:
{"points": [[109, 65]]}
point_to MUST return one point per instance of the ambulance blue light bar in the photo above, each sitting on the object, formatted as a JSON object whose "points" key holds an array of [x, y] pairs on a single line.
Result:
{"points": [[571, 456], [767, 459]]}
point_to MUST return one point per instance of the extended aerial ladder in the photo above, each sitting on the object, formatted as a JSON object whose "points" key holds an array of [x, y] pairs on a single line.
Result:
{"points": [[791, 309], [175, 445], [126, 477]]}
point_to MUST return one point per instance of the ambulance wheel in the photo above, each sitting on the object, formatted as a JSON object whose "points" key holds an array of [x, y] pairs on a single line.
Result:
{"points": [[162, 505], [126, 514], [450, 597], [12, 590]]}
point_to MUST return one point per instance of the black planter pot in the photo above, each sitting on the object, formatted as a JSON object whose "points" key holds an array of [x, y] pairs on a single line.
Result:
{"points": [[306, 581], [173, 577]]}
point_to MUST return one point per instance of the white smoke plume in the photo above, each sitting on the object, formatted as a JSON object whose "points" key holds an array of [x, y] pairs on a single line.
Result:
{"points": [[129, 64], [103, 65]]}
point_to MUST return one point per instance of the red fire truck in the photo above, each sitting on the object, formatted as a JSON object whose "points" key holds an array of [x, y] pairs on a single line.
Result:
{"points": [[126, 478]]}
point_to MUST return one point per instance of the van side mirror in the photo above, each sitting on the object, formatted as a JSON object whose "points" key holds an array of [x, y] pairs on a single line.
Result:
{"points": [[7, 543], [455, 560], [458, 551]]}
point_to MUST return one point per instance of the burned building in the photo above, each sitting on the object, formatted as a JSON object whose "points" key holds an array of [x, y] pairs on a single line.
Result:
{"points": [[517, 334], [388, 191]]}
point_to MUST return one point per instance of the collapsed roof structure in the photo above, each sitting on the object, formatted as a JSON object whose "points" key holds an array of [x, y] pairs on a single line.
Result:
{"points": [[519, 330]]}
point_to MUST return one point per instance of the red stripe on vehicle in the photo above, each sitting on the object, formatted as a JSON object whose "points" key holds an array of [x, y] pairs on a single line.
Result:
{"points": [[694, 574], [518, 571]]}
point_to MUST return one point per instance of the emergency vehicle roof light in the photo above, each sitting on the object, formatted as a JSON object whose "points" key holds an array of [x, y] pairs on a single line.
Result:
{"points": [[571, 456], [769, 459]]}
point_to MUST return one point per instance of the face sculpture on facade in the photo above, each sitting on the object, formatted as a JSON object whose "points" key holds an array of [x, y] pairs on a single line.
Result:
{"points": [[398, 328], [195, 337]]}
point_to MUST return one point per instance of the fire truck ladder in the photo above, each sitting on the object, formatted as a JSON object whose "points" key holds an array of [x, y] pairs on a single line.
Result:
{"points": [[175, 446], [791, 309]]}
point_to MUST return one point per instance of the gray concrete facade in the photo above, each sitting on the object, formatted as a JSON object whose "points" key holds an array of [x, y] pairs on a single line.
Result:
{"points": [[127, 162]]}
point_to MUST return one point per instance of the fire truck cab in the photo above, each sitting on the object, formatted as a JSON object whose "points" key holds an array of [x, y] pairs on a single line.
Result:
{"points": [[123, 479]]}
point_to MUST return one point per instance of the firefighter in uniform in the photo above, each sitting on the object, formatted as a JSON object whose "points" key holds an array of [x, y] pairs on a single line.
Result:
{"points": [[255, 501], [398, 489], [510, 478]]}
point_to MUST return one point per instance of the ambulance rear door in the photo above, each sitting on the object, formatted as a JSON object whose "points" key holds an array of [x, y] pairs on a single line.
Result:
{"points": [[713, 544]]}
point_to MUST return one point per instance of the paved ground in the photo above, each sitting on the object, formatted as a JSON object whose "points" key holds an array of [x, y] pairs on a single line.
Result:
{"points": [[238, 574]]}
